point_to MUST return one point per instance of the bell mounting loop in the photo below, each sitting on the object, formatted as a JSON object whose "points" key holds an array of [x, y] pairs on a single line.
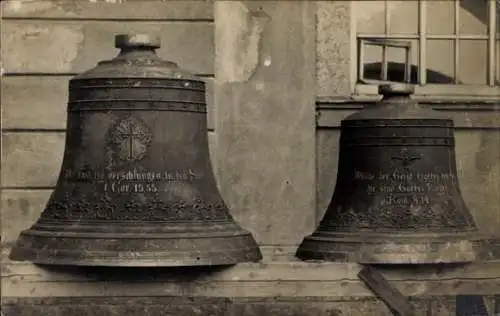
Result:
{"points": [[128, 41]]}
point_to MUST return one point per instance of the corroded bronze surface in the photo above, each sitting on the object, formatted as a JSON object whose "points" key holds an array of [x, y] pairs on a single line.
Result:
{"points": [[136, 187], [397, 197]]}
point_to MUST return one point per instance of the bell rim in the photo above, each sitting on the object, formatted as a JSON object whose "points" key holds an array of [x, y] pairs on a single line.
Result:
{"points": [[251, 255], [162, 254], [460, 247]]}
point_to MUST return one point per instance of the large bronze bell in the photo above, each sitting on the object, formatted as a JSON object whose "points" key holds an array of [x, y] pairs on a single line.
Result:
{"points": [[136, 187], [397, 198]]}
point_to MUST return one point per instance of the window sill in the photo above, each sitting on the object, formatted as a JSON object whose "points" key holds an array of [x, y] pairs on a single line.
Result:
{"points": [[436, 93]]}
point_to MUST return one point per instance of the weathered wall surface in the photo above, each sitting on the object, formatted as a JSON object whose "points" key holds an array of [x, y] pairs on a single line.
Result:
{"points": [[274, 150], [264, 91]]}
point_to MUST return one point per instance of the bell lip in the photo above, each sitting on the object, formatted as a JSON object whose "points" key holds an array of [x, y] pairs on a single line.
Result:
{"points": [[159, 255], [248, 256], [462, 247]]}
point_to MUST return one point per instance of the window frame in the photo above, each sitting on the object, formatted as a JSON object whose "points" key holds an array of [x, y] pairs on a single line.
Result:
{"points": [[423, 90]]}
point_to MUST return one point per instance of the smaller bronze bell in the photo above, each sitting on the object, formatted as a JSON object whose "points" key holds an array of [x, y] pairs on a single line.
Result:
{"points": [[397, 198]]}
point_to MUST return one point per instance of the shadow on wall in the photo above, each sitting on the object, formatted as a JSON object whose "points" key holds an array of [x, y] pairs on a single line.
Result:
{"points": [[395, 72]]}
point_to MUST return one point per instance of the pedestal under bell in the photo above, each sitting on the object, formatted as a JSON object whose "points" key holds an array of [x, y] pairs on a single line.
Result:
{"points": [[397, 197], [136, 187]]}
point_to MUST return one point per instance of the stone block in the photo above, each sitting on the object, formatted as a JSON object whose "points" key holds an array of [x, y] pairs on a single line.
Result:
{"points": [[478, 164], [20, 210], [96, 306], [31, 159], [59, 47], [34, 102], [109, 9]]}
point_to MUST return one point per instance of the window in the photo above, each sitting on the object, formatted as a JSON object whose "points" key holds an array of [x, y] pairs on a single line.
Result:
{"points": [[454, 46]]}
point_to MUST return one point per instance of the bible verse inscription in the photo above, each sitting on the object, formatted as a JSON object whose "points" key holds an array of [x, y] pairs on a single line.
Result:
{"points": [[403, 189], [130, 181]]}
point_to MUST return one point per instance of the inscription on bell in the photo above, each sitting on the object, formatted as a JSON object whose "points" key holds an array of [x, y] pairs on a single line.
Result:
{"points": [[131, 175], [131, 181], [399, 189], [394, 200], [118, 187]]}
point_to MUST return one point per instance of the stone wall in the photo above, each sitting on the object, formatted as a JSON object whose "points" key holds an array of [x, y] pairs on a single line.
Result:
{"points": [[280, 89]]}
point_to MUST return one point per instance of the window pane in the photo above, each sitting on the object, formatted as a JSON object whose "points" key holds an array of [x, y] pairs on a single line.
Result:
{"points": [[396, 62], [440, 61], [473, 61], [397, 54], [403, 17], [473, 17], [440, 17], [371, 62], [370, 16]]}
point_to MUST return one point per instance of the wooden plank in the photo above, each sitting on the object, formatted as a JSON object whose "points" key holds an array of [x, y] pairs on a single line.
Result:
{"points": [[40, 102], [59, 47], [109, 10], [33, 159], [249, 280], [376, 282]]}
